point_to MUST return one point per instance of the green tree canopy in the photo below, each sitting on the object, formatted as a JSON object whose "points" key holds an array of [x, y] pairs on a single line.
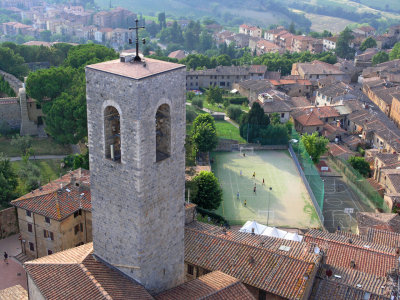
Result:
{"points": [[253, 122], [82, 55], [48, 84], [360, 164], [12, 63], [343, 48], [204, 133], [315, 145], [8, 180], [380, 57], [395, 53], [369, 42], [214, 94], [23, 143], [209, 192]]}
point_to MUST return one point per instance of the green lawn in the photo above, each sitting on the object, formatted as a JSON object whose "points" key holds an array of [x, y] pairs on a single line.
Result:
{"points": [[50, 170], [41, 146], [287, 205], [226, 130]]}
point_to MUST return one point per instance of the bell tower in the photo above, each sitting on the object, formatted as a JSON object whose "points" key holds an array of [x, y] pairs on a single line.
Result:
{"points": [[136, 127]]}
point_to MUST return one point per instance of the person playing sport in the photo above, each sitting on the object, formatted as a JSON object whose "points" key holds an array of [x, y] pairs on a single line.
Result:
{"points": [[237, 195], [241, 173], [254, 175], [245, 202], [255, 189], [263, 182]]}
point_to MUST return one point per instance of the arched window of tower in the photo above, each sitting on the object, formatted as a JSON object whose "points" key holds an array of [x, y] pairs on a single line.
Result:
{"points": [[112, 134], [163, 132]]}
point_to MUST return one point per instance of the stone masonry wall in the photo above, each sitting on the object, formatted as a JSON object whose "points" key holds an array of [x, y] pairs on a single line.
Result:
{"points": [[8, 222], [14, 82], [138, 203], [10, 111]]}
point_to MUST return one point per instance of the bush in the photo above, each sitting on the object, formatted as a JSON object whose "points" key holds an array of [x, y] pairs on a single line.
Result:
{"points": [[6, 129], [198, 102], [238, 100], [190, 115], [234, 112]]}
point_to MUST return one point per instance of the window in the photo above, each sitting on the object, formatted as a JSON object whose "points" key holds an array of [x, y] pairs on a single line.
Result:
{"points": [[77, 213], [38, 106], [47, 220], [282, 115], [31, 246], [49, 252], [210, 83], [76, 229], [30, 227], [222, 76], [190, 269], [222, 83], [326, 119], [163, 133], [228, 83], [28, 213], [112, 134], [81, 227], [45, 233], [51, 236]]}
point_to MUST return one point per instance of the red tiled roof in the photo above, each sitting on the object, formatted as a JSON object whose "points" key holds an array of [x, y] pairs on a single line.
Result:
{"points": [[291, 81], [77, 274], [260, 267], [59, 198], [337, 150], [215, 285], [368, 257], [308, 118], [384, 237]]}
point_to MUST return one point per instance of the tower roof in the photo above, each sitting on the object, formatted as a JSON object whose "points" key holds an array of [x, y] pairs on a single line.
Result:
{"points": [[148, 68]]}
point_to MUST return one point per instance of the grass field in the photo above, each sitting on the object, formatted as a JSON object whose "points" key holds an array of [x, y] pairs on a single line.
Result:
{"points": [[226, 130], [289, 202], [40, 146]]}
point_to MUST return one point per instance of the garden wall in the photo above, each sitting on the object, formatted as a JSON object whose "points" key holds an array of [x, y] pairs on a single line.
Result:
{"points": [[8, 222]]}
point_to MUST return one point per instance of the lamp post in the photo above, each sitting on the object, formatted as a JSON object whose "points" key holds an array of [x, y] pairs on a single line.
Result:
{"points": [[269, 198]]}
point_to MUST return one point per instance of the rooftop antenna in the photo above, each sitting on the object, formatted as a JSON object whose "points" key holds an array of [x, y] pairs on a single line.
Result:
{"points": [[137, 57]]}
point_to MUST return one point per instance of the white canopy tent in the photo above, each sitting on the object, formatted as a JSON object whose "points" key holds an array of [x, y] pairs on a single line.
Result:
{"points": [[249, 225], [270, 231]]}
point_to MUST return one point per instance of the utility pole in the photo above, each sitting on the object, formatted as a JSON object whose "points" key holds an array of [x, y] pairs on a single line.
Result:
{"points": [[269, 199]]}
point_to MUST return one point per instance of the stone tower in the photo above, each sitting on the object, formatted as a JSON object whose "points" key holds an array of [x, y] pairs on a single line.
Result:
{"points": [[136, 126]]}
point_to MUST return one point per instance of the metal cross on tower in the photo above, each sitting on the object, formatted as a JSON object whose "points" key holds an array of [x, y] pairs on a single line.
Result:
{"points": [[137, 57]]}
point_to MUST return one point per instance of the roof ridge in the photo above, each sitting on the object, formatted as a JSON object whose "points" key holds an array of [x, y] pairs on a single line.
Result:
{"points": [[356, 246], [251, 245], [218, 291], [95, 282]]}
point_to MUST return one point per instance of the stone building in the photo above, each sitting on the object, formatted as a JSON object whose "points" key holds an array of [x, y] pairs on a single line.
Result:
{"points": [[317, 70], [118, 17], [136, 125], [57, 216], [223, 76]]}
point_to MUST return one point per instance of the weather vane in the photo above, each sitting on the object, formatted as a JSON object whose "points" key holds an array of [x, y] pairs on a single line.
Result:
{"points": [[137, 57]]}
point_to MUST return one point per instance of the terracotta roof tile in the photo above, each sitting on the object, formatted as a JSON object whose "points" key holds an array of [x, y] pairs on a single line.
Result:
{"points": [[59, 198], [214, 285], [258, 266], [77, 274], [15, 292], [368, 257]]}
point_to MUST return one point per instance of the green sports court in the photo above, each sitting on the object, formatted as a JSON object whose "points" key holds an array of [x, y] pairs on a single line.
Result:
{"points": [[287, 205]]}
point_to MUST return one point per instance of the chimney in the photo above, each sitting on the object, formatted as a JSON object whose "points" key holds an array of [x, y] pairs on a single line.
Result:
{"points": [[353, 264], [190, 212], [252, 231]]}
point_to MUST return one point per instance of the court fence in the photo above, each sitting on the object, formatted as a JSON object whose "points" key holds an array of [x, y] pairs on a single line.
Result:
{"points": [[359, 184], [308, 172]]}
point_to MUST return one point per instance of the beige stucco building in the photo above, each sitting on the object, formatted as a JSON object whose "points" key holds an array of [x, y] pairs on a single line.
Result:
{"points": [[56, 216]]}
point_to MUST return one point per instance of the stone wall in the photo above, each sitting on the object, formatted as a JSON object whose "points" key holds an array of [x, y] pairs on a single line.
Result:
{"points": [[8, 222], [138, 212], [10, 111], [14, 82]]}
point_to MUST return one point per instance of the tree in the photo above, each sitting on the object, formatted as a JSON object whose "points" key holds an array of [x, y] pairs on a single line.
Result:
{"points": [[343, 49], [380, 57], [8, 180], [209, 192], [204, 133], [23, 143], [394, 54], [214, 95], [83, 55], [45, 35], [315, 145], [275, 119], [234, 112], [361, 165], [368, 43], [12, 63], [30, 175], [292, 28], [253, 122], [161, 20]]}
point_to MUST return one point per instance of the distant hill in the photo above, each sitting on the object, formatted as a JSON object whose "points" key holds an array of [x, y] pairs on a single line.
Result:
{"points": [[378, 13]]}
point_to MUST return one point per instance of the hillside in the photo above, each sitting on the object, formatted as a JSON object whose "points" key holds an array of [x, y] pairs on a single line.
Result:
{"points": [[306, 14]]}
